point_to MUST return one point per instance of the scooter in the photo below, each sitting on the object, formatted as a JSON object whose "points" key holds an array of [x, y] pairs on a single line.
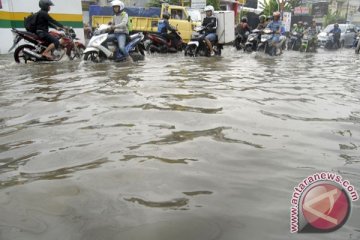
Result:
{"points": [[267, 45], [308, 43], [98, 50], [295, 41], [157, 43], [331, 43], [253, 41], [33, 49], [240, 40], [198, 47]]}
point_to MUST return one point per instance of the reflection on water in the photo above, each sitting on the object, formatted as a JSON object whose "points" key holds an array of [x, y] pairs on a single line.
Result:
{"points": [[173, 147]]}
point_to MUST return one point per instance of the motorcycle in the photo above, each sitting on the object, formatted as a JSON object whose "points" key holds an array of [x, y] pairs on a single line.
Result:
{"points": [[157, 43], [331, 43], [357, 44], [198, 47], [295, 41], [240, 40], [253, 41], [267, 45], [308, 43], [98, 50], [70, 45]]}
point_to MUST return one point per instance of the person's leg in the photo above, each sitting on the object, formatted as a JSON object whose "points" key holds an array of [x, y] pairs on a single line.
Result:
{"points": [[54, 43], [121, 43], [210, 37]]}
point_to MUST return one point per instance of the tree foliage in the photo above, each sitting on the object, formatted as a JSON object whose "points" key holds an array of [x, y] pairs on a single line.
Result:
{"points": [[271, 6], [214, 3], [334, 17]]}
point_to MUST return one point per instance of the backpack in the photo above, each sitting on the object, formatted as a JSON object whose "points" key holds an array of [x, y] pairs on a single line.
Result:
{"points": [[30, 22]]}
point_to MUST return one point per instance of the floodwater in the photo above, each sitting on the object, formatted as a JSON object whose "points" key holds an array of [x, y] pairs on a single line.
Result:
{"points": [[174, 148]]}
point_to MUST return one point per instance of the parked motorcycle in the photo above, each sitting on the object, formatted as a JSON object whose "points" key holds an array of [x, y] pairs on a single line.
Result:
{"points": [[253, 40], [357, 44], [308, 43], [295, 41], [99, 50], [33, 49], [198, 47], [157, 43], [267, 44]]}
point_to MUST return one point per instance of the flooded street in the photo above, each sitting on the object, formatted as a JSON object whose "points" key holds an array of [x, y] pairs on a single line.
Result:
{"points": [[174, 147]]}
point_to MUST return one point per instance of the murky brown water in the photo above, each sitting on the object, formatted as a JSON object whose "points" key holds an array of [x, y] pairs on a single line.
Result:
{"points": [[174, 148]]}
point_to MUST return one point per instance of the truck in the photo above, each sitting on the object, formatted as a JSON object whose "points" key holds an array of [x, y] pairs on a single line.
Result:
{"points": [[146, 19]]}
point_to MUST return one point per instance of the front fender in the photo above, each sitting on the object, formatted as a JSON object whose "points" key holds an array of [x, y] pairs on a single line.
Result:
{"points": [[91, 49]]}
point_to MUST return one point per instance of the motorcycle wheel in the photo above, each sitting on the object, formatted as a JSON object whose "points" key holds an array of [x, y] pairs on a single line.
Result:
{"points": [[190, 50], [248, 49], [92, 56], [137, 56], [19, 56], [76, 53]]}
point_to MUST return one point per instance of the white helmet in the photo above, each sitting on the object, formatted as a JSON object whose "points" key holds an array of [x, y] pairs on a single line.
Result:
{"points": [[209, 8], [118, 3]]}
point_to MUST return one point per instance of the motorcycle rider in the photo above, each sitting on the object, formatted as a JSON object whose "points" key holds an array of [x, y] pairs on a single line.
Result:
{"points": [[120, 27], [163, 28], [210, 22], [299, 28], [278, 29], [312, 31], [262, 23], [43, 21], [337, 34], [242, 28]]}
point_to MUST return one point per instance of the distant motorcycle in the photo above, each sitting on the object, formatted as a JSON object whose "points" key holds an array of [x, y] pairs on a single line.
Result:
{"points": [[357, 44], [295, 41], [253, 40], [71, 46], [240, 40], [198, 47], [267, 45], [157, 43], [308, 43], [331, 43], [98, 50]]}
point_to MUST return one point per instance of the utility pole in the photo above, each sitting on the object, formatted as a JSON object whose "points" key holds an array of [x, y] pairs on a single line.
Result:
{"points": [[347, 11]]}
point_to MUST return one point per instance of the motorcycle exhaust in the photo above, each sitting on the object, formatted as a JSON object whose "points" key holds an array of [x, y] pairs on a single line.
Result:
{"points": [[31, 53]]}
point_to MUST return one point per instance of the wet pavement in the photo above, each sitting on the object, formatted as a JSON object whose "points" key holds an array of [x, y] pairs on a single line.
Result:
{"points": [[174, 147]]}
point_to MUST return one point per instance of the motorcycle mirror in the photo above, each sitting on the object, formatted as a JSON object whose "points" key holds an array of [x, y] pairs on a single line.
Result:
{"points": [[189, 19]]}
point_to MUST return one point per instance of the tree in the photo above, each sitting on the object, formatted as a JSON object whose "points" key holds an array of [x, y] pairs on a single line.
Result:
{"points": [[292, 4], [214, 3], [334, 17], [157, 3], [269, 7]]}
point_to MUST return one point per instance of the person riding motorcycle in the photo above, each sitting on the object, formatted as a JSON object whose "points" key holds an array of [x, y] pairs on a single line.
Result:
{"points": [[242, 28], [278, 29], [119, 25], [262, 23], [43, 21], [163, 28], [210, 22], [299, 27], [337, 34], [312, 31]]}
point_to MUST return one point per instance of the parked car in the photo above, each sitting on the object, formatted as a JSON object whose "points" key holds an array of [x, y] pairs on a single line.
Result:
{"points": [[348, 33]]}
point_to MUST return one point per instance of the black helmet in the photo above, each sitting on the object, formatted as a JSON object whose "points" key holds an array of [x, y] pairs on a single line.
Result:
{"points": [[244, 19], [336, 25], [45, 4], [166, 15]]}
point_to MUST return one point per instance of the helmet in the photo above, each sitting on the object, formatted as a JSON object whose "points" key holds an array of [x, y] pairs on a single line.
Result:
{"points": [[276, 14], [45, 4], [268, 18], [118, 3], [209, 8], [300, 23], [166, 15], [262, 18], [295, 25], [244, 19], [336, 25], [306, 24]]}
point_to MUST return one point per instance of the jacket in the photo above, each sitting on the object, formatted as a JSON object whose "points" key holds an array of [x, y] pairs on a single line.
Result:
{"points": [[120, 23], [44, 20]]}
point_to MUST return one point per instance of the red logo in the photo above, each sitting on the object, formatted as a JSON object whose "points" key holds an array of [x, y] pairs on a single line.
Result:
{"points": [[325, 207]]}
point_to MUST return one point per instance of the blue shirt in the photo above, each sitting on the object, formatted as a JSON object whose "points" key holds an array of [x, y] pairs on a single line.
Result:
{"points": [[276, 26]]}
